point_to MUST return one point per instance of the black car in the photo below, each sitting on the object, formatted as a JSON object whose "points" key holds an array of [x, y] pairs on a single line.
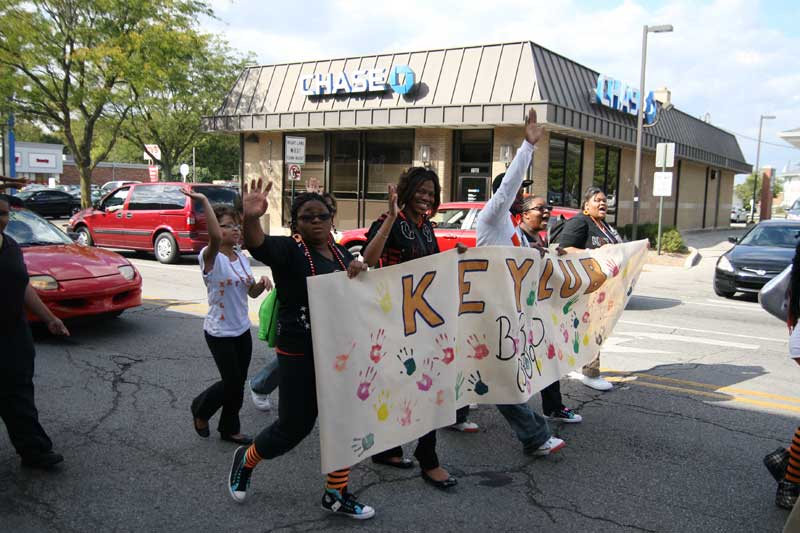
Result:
{"points": [[50, 202], [761, 254]]}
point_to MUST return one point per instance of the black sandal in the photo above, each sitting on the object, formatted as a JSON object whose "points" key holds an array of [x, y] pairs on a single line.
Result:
{"points": [[403, 463], [203, 432], [448, 483], [243, 439]]}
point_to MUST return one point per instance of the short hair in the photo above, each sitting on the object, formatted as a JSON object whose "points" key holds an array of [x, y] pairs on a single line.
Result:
{"points": [[12, 201], [527, 202], [300, 200], [227, 210], [411, 180], [591, 192]]}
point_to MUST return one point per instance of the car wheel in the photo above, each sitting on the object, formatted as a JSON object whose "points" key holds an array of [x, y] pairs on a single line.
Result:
{"points": [[84, 236], [724, 294], [166, 248], [356, 248]]}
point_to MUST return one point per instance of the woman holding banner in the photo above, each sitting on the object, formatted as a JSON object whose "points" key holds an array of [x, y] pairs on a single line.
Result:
{"points": [[587, 231], [309, 252], [403, 234]]}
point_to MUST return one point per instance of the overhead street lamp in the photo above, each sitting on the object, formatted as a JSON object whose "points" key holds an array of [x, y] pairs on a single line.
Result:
{"points": [[663, 28], [758, 168]]}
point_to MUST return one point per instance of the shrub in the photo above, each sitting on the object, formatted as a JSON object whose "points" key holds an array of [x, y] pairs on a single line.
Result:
{"points": [[672, 242]]}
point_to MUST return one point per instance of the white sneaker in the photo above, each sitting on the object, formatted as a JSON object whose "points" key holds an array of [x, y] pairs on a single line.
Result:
{"points": [[597, 383], [466, 427], [552, 445], [473, 406], [261, 401]]}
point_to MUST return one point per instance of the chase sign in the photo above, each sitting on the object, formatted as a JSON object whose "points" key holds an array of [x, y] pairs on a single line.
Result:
{"points": [[400, 78], [624, 98]]}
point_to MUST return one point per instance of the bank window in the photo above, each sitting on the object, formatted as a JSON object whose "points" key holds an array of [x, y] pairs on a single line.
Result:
{"points": [[564, 172], [388, 154], [345, 148], [312, 174], [606, 176]]}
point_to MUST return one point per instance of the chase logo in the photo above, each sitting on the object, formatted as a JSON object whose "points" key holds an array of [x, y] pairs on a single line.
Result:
{"points": [[401, 79]]}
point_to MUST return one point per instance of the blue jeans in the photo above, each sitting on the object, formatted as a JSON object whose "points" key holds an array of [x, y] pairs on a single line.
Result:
{"points": [[531, 428], [266, 380]]}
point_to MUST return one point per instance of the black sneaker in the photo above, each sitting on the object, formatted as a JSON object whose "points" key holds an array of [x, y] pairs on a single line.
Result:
{"points": [[566, 415], [239, 478], [345, 505], [787, 494], [776, 462], [44, 460]]}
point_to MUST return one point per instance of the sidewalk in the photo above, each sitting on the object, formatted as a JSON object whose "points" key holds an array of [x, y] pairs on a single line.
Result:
{"points": [[714, 239]]}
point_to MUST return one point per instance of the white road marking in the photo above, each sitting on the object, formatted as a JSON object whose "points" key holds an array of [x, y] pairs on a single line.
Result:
{"points": [[720, 333], [690, 340], [614, 345]]}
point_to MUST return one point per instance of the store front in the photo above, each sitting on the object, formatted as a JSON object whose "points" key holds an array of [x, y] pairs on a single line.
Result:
{"points": [[460, 112]]}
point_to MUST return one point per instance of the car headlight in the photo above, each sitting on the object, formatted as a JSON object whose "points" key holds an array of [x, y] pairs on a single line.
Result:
{"points": [[127, 272], [725, 265], [44, 283]]}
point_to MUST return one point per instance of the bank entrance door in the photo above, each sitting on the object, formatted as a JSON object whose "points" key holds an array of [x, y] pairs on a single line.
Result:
{"points": [[473, 165]]}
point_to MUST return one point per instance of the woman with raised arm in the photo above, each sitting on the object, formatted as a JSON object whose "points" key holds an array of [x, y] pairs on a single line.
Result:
{"points": [[229, 281], [309, 252]]}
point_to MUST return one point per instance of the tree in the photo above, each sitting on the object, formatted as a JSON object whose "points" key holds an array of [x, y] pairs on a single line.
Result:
{"points": [[76, 64], [198, 70], [745, 190]]}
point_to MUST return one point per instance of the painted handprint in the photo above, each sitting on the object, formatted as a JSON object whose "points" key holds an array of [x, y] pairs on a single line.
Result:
{"points": [[384, 298], [551, 351], [445, 344], [601, 296], [406, 412], [570, 303], [365, 388], [585, 317], [600, 336], [340, 363], [362, 444], [382, 407], [459, 384], [426, 381], [478, 345], [376, 353], [564, 332], [478, 386], [531, 296], [406, 356], [613, 268]]}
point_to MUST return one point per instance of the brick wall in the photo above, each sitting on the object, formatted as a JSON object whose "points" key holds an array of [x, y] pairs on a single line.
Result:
{"points": [[103, 174]]}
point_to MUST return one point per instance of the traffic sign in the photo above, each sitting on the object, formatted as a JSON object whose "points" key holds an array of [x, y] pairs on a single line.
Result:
{"points": [[294, 173], [184, 168], [153, 149], [295, 150], [662, 184], [665, 155], [152, 170]]}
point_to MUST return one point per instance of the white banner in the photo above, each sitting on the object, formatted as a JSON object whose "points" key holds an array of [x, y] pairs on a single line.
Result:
{"points": [[397, 350]]}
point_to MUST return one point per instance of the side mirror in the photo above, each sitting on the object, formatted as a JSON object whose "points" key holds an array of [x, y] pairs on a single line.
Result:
{"points": [[73, 235], [733, 240]]}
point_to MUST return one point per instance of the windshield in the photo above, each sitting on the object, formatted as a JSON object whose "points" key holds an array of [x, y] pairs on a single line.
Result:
{"points": [[26, 194], [29, 229], [769, 235], [217, 195], [449, 218]]}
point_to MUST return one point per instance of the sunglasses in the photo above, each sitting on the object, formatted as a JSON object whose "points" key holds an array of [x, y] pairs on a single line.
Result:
{"points": [[4, 213], [234, 227], [541, 208], [322, 217]]}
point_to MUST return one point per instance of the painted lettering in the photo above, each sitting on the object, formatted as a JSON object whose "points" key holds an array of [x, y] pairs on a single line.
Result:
{"points": [[518, 273], [469, 265], [572, 280], [506, 343], [544, 291], [414, 303], [596, 275]]}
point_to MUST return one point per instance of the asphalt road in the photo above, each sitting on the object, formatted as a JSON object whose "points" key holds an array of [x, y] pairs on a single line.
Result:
{"points": [[704, 389]]}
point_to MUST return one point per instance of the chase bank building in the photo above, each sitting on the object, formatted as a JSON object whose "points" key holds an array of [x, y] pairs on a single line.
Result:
{"points": [[460, 111]]}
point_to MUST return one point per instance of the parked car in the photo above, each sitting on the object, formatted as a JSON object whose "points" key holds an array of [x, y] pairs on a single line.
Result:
{"points": [[454, 222], [73, 280], [739, 214], [50, 202], [152, 217], [793, 213], [761, 254], [111, 185]]}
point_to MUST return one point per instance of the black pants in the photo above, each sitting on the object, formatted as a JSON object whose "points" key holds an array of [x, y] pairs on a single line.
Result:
{"points": [[461, 414], [425, 451], [17, 407], [551, 398], [232, 356]]}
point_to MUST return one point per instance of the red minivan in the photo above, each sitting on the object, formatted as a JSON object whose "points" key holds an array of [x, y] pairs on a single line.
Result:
{"points": [[152, 217]]}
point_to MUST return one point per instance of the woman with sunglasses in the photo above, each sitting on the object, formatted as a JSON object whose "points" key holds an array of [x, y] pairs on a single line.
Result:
{"points": [[534, 217], [309, 252], [229, 281], [405, 233]]}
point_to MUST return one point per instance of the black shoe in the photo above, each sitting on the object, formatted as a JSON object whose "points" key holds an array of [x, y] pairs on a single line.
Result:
{"points": [[787, 494], [43, 460], [448, 483], [203, 432], [403, 464], [345, 505], [244, 440], [776, 462], [239, 478]]}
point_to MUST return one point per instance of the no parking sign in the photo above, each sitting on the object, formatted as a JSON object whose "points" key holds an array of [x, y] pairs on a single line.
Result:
{"points": [[294, 172]]}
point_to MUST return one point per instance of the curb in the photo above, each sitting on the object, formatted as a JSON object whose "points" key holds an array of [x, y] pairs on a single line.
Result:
{"points": [[693, 259]]}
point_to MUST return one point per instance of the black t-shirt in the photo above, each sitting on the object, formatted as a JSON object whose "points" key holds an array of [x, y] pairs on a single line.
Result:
{"points": [[13, 282], [290, 268], [406, 240], [582, 232]]}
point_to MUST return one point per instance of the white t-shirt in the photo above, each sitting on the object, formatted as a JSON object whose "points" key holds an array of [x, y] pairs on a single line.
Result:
{"points": [[794, 342], [227, 284]]}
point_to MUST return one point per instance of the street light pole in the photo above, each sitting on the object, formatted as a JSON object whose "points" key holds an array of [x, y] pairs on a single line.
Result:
{"points": [[637, 172], [758, 167]]}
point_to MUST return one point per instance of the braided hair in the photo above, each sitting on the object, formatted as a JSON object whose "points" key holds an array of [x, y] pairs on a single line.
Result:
{"points": [[302, 199], [411, 180]]}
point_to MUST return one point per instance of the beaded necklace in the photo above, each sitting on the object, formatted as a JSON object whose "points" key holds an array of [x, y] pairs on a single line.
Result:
{"points": [[307, 253], [607, 234]]}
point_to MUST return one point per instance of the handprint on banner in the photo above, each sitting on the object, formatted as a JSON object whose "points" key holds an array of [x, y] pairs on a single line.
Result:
{"points": [[459, 384], [439, 397], [613, 268], [554, 318], [600, 336], [445, 343], [426, 381], [376, 353], [586, 339], [479, 348], [382, 406], [531, 296], [571, 360], [585, 317], [406, 413], [560, 354], [384, 299], [365, 388], [406, 356], [478, 386], [564, 332], [601, 297], [362, 444], [551, 351], [568, 306], [340, 363]]}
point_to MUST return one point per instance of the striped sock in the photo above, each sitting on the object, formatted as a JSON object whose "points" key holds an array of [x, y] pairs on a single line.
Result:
{"points": [[251, 458], [793, 470], [338, 480]]}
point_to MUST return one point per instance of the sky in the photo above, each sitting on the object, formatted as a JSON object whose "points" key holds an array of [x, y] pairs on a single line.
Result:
{"points": [[733, 59]]}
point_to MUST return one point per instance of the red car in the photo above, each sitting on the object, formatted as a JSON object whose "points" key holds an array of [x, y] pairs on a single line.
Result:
{"points": [[73, 280], [150, 217], [455, 222]]}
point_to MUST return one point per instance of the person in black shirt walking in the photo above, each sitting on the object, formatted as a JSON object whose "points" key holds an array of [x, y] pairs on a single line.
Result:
{"points": [[17, 407]]}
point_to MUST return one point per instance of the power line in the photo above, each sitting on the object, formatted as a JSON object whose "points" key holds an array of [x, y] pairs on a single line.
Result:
{"points": [[776, 145]]}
